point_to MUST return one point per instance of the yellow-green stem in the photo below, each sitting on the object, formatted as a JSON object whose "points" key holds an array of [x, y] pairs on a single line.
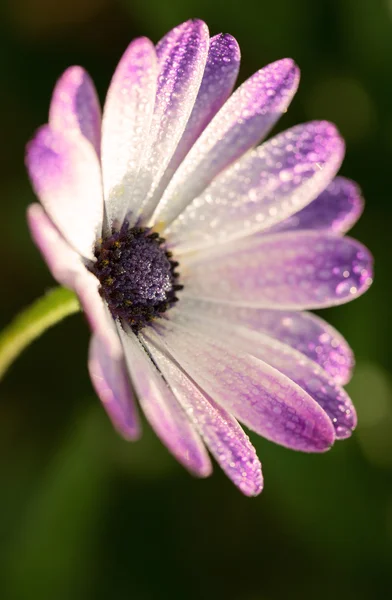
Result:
{"points": [[33, 321]]}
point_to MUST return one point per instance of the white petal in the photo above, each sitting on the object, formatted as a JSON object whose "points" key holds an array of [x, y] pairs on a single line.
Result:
{"points": [[304, 372], [336, 209], [219, 77], [74, 108], [126, 123], [241, 123], [224, 437], [255, 393], [182, 56], [287, 271], [64, 263], [66, 176], [267, 185], [303, 331], [162, 409], [68, 269]]}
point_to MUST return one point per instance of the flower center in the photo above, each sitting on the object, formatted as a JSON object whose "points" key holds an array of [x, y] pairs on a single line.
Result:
{"points": [[137, 275]]}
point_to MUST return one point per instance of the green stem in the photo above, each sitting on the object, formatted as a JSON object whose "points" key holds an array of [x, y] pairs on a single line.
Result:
{"points": [[33, 321]]}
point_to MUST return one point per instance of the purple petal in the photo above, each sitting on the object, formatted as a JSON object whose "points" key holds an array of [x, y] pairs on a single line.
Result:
{"points": [[67, 268], [265, 400], [220, 74], [162, 409], [224, 437], [244, 119], [310, 377], [292, 271], [126, 124], [219, 77], [304, 372], [66, 177], [264, 187], [110, 380], [75, 108], [336, 209], [302, 331], [182, 56]]}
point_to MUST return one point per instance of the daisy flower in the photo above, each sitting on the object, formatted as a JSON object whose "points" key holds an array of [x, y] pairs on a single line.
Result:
{"points": [[195, 252]]}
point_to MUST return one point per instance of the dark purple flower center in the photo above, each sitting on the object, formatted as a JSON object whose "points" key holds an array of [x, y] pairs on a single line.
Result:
{"points": [[137, 275]]}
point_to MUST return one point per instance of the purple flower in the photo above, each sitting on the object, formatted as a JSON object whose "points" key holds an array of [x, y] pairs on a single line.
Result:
{"points": [[194, 252]]}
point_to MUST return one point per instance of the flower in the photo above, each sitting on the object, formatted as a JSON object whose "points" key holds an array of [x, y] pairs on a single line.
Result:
{"points": [[195, 253]]}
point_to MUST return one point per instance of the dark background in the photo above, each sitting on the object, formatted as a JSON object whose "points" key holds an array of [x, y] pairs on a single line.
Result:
{"points": [[84, 515]]}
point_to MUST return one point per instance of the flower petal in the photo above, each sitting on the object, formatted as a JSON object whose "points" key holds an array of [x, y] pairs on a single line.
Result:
{"points": [[126, 124], [336, 209], [304, 372], [293, 271], [244, 119], [64, 263], [182, 56], [162, 409], [67, 268], [264, 187], [309, 376], [222, 434], [66, 177], [219, 77], [109, 377], [265, 400], [75, 108], [302, 331]]}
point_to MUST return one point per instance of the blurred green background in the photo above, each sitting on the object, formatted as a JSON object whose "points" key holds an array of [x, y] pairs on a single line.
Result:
{"points": [[84, 515]]}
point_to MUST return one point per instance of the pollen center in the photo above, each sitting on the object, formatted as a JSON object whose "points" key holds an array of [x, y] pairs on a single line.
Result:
{"points": [[137, 275]]}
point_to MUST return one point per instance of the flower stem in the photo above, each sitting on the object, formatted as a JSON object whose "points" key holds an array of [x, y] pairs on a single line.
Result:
{"points": [[33, 321]]}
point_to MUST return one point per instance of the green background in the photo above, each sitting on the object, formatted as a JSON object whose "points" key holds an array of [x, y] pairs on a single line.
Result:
{"points": [[84, 515]]}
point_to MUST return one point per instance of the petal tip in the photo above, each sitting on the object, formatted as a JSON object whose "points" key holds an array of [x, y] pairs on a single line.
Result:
{"points": [[323, 434], [32, 211], [252, 484], [289, 68], [132, 434], [343, 433], [326, 439], [138, 49], [230, 41], [202, 471], [363, 271], [194, 23], [331, 131]]}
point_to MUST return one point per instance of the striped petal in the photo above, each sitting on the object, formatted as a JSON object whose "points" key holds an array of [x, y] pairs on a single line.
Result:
{"points": [[302, 331], [264, 187], [222, 434], [304, 372], [182, 56], [162, 409], [66, 177], [265, 400], [336, 210], [75, 108], [241, 123], [219, 77], [287, 271]]}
